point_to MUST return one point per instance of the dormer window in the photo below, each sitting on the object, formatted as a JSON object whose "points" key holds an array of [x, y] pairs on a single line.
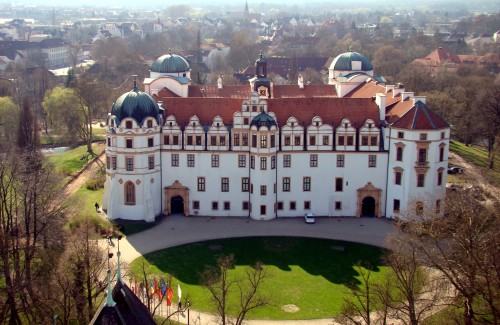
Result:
{"points": [[150, 124], [194, 124], [346, 125], [128, 124]]}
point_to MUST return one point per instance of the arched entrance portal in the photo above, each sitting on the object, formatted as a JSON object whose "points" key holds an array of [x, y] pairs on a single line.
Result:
{"points": [[176, 199], [369, 198], [368, 207], [177, 204]]}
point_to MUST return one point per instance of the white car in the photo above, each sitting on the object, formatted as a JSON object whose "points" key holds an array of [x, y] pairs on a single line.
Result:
{"points": [[309, 218]]}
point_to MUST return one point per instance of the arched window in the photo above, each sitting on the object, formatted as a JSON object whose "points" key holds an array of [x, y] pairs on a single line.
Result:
{"points": [[150, 124], [129, 193], [128, 124]]}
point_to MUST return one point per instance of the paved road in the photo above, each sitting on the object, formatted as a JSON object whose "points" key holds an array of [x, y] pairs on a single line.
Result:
{"points": [[177, 230]]}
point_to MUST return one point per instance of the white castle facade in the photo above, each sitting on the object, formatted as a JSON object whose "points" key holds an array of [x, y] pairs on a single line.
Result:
{"points": [[354, 147]]}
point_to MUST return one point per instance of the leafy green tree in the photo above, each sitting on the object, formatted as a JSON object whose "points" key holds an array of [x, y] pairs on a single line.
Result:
{"points": [[9, 120]]}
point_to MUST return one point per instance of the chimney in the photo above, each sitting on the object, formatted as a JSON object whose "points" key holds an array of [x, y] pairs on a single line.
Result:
{"points": [[219, 82], [389, 88], [406, 94], [380, 101], [398, 89], [300, 81], [419, 98]]}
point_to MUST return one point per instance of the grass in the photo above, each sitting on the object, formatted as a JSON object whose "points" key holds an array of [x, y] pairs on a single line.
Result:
{"points": [[69, 162], [312, 274], [479, 158]]}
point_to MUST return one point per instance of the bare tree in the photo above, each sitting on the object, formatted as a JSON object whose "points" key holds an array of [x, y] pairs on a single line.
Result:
{"points": [[220, 283]]}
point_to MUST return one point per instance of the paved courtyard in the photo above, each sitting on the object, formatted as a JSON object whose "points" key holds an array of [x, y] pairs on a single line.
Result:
{"points": [[177, 230]]}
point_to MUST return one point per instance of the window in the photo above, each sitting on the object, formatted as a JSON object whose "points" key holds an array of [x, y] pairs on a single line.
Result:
{"points": [[287, 160], [340, 140], [151, 162], [372, 161], [245, 182], [419, 208], [306, 184], [227, 205], [441, 153], [244, 139], [422, 155], [245, 205], [201, 184], [273, 162], [113, 162], [254, 141], [108, 162], [215, 205], [423, 136], [443, 134], [307, 205], [236, 139], [263, 163], [338, 205], [420, 180], [401, 135], [312, 140], [175, 160], [129, 143], [129, 193], [263, 190], [150, 142], [198, 140], [166, 139], [263, 141], [245, 121], [440, 177], [373, 140], [340, 160], [313, 160], [397, 178], [252, 162], [196, 205], [279, 205], [262, 209], [128, 124], [109, 142], [129, 162], [215, 160], [273, 141], [150, 124], [339, 184], [190, 160], [189, 140], [350, 140], [396, 206], [364, 140], [213, 140], [286, 184], [326, 140], [175, 140], [293, 205], [287, 140], [224, 184], [297, 140], [242, 161], [222, 140], [399, 153]]}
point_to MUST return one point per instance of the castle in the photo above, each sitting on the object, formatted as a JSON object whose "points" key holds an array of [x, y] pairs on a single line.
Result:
{"points": [[353, 147]]}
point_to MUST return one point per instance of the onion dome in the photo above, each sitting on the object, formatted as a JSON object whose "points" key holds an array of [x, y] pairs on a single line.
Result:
{"points": [[135, 104], [344, 61], [263, 119], [170, 63]]}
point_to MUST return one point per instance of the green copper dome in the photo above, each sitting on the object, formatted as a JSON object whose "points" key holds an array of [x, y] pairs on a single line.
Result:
{"points": [[263, 119], [344, 61], [170, 63], [135, 104]]}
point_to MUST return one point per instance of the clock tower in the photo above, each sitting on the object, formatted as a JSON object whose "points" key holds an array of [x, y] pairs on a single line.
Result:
{"points": [[261, 83]]}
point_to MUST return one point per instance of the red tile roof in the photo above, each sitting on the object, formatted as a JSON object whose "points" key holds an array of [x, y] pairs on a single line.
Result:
{"points": [[419, 117]]}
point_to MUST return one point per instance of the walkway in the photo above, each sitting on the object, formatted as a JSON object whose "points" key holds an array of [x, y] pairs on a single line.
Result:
{"points": [[178, 230]]}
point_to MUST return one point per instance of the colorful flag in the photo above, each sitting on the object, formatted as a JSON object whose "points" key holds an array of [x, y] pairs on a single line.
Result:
{"points": [[163, 287], [170, 294], [179, 292]]}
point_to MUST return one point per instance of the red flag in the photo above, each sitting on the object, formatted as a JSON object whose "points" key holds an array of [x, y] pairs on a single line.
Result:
{"points": [[170, 294]]}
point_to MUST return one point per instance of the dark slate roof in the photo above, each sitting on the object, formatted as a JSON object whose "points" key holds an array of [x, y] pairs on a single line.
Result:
{"points": [[128, 309], [170, 63], [344, 60], [419, 117], [135, 104], [263, 119]]}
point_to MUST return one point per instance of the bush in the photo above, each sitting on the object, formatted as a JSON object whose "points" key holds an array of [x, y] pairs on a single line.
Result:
{"points": [[96, 183]]}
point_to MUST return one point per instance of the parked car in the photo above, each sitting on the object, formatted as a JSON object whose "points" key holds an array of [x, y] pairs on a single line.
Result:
{"points": [[455, 170], [309, 218]]}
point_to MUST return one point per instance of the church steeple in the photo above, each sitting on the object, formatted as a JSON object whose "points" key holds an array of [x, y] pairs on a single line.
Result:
{"points": [[246, 9]]}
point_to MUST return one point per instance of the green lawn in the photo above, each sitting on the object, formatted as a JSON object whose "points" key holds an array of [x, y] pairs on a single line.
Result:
{"points": [[309, 273], [69, 162], [479, 158]]}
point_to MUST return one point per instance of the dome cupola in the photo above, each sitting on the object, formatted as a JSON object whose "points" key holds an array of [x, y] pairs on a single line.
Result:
{"points": [[170, 63], [135, 104], [263, 119], [351, 61]]}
